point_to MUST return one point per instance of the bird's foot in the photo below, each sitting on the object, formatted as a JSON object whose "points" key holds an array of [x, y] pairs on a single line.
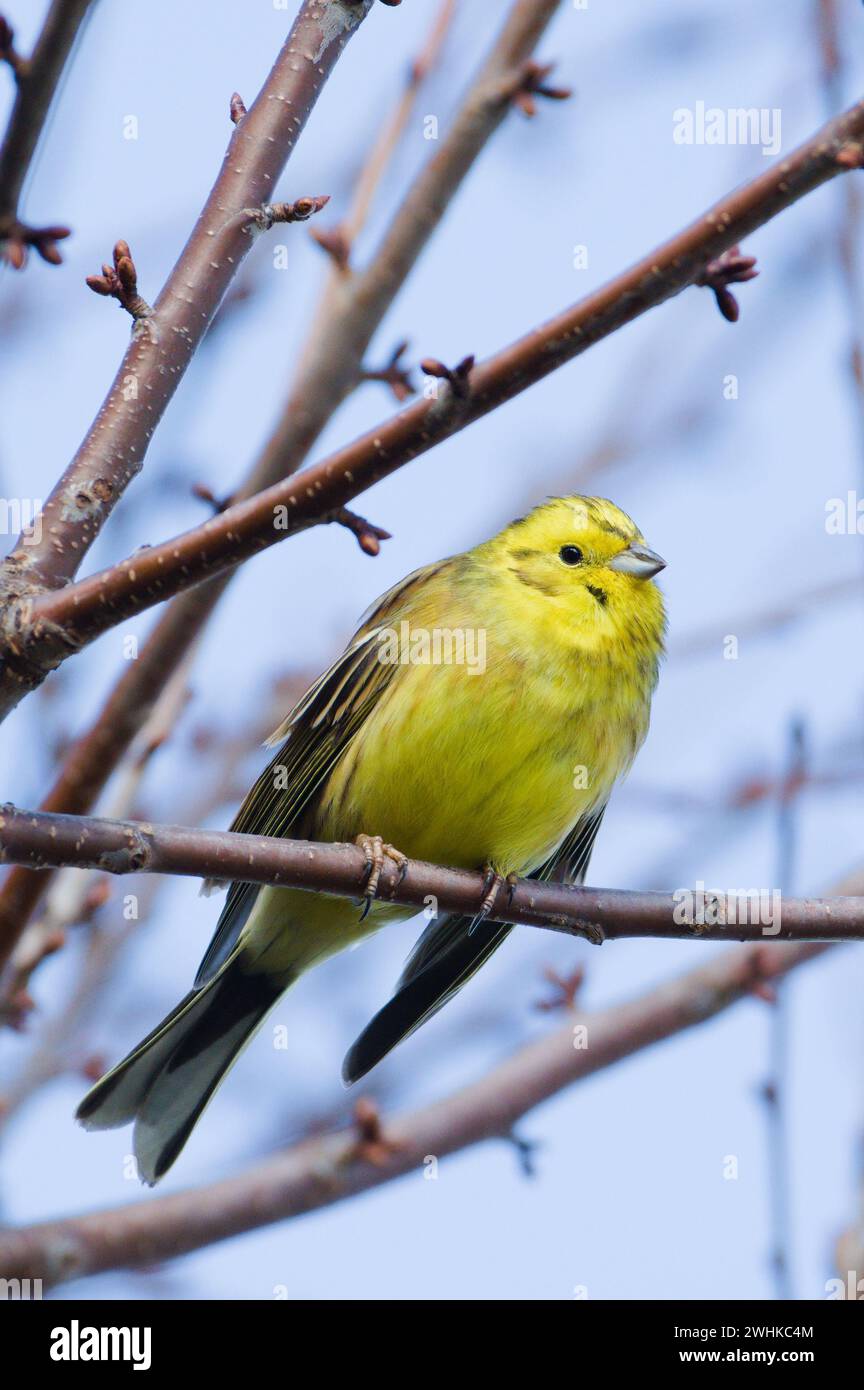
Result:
{"points": [[376, 851], [492, 884]]}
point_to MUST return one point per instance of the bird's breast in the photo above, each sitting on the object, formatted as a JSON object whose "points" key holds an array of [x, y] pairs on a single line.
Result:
{"points": [[493, 767]]}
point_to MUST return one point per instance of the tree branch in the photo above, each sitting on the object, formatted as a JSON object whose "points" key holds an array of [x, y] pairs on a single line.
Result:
{"points": [[95, 754], [321, 1171], [113, 451], [36, 78], [355, 301], [597, 914], [41, 632]]}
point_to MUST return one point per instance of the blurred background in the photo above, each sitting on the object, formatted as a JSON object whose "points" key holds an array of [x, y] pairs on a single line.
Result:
{"points": [[725, 442]]}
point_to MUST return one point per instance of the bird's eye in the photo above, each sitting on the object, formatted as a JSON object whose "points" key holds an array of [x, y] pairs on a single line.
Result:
{"points": [[570, 554]]}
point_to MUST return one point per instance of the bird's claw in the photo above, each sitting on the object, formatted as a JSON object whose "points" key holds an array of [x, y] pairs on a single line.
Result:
{"points": [[492, 883], [376, 851]]}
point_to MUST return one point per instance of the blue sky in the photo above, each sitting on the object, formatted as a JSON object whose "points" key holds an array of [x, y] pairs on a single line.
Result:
{"points": [[629, 1199]]}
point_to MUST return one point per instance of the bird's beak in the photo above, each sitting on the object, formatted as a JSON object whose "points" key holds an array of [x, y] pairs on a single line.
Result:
{"points": [[639, 561]]}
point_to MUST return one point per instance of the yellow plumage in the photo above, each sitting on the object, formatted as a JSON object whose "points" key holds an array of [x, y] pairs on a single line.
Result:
{"points": [[479, 718]]}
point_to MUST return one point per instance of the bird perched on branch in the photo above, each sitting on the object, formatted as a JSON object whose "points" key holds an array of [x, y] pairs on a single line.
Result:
{"points": [[479, 718]]}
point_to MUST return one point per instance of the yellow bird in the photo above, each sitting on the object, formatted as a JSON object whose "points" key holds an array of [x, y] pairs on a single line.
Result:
{"points": [[479, 718]]}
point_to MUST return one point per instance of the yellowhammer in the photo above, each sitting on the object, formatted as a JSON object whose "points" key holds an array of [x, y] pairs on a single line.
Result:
{"points": [[479, 718]]}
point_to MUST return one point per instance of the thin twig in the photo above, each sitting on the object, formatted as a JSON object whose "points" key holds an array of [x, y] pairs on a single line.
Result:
{"points": [[777, 1089], [37, 78], [847, 231], [383, 149]]}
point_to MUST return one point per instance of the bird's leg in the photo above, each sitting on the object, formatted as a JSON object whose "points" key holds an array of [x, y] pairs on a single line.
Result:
{"points": [[492, 882], [376, 851]]}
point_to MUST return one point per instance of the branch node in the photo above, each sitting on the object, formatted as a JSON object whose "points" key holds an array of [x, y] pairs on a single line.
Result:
{"points": [[16, 238], [9, 53], [526, 1151], [371, 1144], [850, 156], [206, 494], [397, 377], [120, 281], [732, 268], [237, 108], [457, 376], [532, 84], [566, 988], [17, 1009], [368, 536], [301, 210], [93, 1068], [335, 243]]}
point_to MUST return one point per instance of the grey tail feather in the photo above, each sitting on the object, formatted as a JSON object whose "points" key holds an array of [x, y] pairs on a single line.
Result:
{"points": [[423, 991], [165, 1083]]}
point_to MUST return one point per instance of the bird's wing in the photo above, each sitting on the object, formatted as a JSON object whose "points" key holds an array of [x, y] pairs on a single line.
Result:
{"points": [[569, 863], [449, 952], [311, 741]]}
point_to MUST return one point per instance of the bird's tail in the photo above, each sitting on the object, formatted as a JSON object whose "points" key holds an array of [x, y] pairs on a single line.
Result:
{"points": [[166, 1081]]}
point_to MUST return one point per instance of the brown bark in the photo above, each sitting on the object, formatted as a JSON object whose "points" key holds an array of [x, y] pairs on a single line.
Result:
{"points": [[162, 346], [322, 1171], [44, 630], [36, 78], [597, 914]]}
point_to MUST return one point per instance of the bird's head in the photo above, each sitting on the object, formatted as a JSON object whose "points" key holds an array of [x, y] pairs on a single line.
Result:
{"points": [[581, 565]]}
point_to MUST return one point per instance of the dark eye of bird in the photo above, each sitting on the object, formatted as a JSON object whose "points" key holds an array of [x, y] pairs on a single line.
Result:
{"points": [[570, 554]]}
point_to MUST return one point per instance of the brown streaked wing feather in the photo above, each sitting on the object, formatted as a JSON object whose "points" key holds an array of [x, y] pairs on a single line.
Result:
{"points": [[313, 739], [449, 953]]}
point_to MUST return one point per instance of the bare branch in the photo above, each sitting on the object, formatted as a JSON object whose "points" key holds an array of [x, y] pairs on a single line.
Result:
{"points": [[323, 1170], [382, 150], [129, 703], [846, 233], [96, 753], [46, 628], [124, 847], [85, 893], [37, 78], [354, 304], [154, 363]]}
